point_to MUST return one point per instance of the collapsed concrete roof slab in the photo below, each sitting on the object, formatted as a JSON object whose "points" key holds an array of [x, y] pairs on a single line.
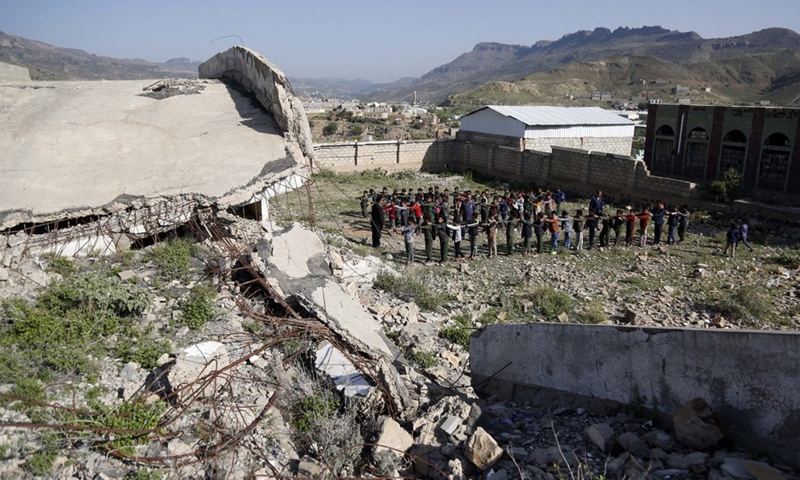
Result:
{"points": [[72, 149]]}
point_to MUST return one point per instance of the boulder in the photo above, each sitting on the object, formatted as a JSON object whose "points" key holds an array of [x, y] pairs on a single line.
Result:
{"points": [[742, 469], [601, 435], [632, 443], [309, 468], [696, 426], [392, 437], [635, 317], [482, 450]]}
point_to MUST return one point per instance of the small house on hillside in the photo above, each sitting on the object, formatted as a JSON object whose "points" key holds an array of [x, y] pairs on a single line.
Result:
{"points": [[540, 128]]}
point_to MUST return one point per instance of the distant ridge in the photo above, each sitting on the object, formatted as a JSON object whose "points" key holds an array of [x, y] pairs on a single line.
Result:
{"points": [[489, 61], [47, 62]]}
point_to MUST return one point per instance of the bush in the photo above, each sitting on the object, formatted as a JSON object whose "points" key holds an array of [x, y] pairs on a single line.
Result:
{"points": [[198, 308], [593, 314], [330, 129], [549, 303], [62, 265], [789, 258], [726, 189], [173, 259], [325, 426]]}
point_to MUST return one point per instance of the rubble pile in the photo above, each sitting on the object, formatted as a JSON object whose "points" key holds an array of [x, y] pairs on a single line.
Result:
{"points": [[241, 393]]}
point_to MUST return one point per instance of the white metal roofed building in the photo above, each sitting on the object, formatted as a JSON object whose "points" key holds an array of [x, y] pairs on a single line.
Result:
{"points": [[541, 127]]}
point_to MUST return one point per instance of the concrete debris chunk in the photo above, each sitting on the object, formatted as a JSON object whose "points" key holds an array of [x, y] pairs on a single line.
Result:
{"points": [[310, 468], [345, 376], [635, 317], [451, 424], [743, 469], [632, 443], [482, 450], [696, 426], [198, 360], [601, 435], [392, 437]]}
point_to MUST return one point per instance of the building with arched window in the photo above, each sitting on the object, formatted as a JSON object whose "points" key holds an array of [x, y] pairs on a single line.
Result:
{"points": [[701, 143]]}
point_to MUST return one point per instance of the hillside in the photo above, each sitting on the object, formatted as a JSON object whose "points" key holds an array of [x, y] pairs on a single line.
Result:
{"points": [[773, 77], [46, 62], [494, 61]]}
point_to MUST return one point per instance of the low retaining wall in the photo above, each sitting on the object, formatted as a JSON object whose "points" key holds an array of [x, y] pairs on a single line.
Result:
{"points": [[268, 84], [750, 378], [578, 171], [429, 155]]}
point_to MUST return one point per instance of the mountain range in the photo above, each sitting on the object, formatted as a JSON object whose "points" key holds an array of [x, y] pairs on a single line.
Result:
{"points": [[46, 62], [646, 62], [720, 62]]}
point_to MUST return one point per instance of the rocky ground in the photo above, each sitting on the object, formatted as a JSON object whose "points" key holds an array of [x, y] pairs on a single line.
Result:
{"points": [[188, 381]]}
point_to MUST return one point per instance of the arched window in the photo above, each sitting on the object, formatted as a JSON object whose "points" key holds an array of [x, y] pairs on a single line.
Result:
{"points": [[774, 165], [735, 136], [777, 140], [696, 151], [665, 131], [664, 148], [734, 152]]}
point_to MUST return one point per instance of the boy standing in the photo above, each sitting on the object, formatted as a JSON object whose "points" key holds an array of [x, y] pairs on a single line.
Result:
{"points": [[732, 237], [408, 237]]}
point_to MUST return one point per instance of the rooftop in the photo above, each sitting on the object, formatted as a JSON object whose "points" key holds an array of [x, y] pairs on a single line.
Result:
{"points": [[558, 116]]}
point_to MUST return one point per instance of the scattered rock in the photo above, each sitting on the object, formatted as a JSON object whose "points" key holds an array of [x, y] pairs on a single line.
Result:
{"points": [[696, 426], [392, 437], [635, 317], [482, 450], [601, 435], [632, 443]]}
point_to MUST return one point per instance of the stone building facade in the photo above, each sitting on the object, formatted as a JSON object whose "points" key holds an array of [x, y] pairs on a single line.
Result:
{"points": [[701, 143]]}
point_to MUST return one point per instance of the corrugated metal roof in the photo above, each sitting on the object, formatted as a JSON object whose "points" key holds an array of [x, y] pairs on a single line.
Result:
{"points": [[559, 116]]}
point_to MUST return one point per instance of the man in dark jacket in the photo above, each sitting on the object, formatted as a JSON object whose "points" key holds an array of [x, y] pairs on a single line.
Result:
{"points": [[376, 222]]}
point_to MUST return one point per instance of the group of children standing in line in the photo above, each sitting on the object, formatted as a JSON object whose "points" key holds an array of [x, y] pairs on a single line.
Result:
{"points": [[445, 216]]}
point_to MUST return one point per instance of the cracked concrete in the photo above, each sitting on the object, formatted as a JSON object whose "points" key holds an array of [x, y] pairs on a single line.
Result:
{"points": [[748, 377], [82, 148]]}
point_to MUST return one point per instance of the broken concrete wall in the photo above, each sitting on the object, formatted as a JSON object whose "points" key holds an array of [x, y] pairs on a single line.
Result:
{"points": [[750, 378], [268, 84], [13, 73]]}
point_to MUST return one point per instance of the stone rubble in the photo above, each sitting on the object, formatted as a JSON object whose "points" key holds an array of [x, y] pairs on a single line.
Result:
{"points": [[445, 430]]}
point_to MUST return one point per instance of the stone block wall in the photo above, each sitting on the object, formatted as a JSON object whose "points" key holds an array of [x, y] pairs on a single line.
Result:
{"points": [[615, 145], [391, 156], [578, 171], [748, 377], [269, 85]]}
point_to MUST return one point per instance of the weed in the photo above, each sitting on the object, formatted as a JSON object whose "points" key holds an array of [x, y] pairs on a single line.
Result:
{"points": [[62, 265], [409, 288], [748, 304], [29, 389], [789, 258], [173, 259], [144, 474], [198, 308], [5, 452], [549, 302], [423, 359], [313, 408], [41, 463], [593, 313], [136, 345], [136, 416], [458, 333]]}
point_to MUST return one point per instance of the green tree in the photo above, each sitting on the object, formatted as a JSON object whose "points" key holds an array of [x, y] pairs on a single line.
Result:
{"points": [[356, 130], [726, 189]]}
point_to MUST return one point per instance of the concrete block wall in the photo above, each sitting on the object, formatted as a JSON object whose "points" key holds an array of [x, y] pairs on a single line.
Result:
{"points": [[269, 85], [390, 156], [749, 378], [615, 145]]}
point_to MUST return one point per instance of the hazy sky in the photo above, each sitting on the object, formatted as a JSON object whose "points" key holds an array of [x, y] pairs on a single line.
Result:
{"points": [[378, 40]]}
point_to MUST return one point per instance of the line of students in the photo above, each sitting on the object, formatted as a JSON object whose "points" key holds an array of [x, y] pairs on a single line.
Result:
{"points": [[532, 214]]}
